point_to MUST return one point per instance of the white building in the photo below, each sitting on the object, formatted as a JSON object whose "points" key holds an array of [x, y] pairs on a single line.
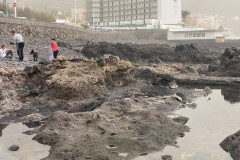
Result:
{"points": [[62, 21], [195, 34], [131, 14], [169, 12]]}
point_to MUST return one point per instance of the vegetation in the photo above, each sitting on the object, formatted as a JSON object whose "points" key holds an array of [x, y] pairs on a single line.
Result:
{"points": [[37, 16], [185, 15], [30, 14], [3, 8], [221, 28], [85, 26]]}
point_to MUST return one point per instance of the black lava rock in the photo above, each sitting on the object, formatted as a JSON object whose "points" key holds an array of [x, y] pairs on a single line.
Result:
{"points": [[14, 147], [148, 75]]}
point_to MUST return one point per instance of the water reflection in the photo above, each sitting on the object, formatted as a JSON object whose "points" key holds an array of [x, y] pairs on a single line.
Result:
{"points": [[231, 94], [29, 149], [211, 122]]}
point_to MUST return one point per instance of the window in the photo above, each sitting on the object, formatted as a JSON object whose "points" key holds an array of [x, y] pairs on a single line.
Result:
{"points": [[195, 35]]}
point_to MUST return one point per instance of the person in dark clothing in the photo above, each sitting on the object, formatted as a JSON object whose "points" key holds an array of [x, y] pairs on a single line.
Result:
{"points": [[18, 40]]}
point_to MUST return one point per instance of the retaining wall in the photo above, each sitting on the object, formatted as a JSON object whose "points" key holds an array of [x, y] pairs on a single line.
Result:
{"points": [[50, 30]]}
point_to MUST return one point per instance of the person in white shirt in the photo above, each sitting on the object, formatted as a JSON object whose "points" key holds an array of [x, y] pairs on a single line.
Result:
{"points": [[18, 40], [6, 53]]}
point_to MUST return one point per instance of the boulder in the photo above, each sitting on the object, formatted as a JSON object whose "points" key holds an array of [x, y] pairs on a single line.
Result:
{"points": [[101, 62], [230, 63], [183, 47], [167, 157], [14, 148], [44, 61], [147, 74], [231, 144], [182, 120], [212, 68]]}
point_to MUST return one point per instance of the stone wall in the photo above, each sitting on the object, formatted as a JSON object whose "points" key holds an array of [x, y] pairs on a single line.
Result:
{"points": [[48, 30], [42, 30]]}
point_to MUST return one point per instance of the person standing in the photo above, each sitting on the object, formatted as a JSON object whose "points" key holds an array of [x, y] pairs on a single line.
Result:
{"points": [[18, 40], [50, 53], [54, 48]]}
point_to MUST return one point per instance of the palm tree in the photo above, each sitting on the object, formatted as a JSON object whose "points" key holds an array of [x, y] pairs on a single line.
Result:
{"points": [[185, 15]]}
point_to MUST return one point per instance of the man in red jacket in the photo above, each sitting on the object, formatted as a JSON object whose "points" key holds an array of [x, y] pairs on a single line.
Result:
{"points": [[54, 48]]}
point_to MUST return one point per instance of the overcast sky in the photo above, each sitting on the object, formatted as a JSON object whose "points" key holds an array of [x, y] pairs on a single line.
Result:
{"points": [[220, 7]]}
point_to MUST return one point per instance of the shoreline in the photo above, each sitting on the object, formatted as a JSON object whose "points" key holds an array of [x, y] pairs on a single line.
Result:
{"points": [[108, 100]]}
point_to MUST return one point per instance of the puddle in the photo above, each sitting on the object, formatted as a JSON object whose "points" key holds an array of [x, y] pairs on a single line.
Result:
{"points": [[215, 118], [29, 149]]}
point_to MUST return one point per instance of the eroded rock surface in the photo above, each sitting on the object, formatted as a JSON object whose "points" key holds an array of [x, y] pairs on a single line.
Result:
{"points": [[232, 145]]}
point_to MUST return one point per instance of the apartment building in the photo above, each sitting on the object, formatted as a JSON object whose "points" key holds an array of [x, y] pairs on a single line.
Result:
{"points": [[143, 14]]}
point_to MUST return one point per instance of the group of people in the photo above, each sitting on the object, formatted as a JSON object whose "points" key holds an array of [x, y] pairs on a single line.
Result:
{"points": [[19, 42]]}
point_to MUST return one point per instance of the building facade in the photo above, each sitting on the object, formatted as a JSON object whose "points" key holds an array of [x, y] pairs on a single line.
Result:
{"points": [[80, 14], [189, 35], [4, 2], [148, 14]]}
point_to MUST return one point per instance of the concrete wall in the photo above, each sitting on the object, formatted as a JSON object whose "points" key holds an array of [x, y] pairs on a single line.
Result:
{"points": [[172, 35]]}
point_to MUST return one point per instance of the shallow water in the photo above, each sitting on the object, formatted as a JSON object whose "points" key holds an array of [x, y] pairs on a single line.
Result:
{"points": [[211, 122], [29, 149]]}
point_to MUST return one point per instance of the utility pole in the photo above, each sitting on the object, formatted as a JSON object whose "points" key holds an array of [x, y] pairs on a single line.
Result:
{"points": [[16, 9], [75, 13], [93, 18], [114, 20], [7, 8], [23, 5]]}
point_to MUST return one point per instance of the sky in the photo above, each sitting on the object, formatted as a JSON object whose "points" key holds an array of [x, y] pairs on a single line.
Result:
{"points": [[220, 7], [208, 7]]}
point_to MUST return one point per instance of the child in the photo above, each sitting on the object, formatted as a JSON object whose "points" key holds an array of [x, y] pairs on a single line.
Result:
{"points": [[6, 53], [50, 54], [54, 47]]}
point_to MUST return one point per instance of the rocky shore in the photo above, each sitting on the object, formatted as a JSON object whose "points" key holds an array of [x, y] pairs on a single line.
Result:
{"points": [[115, 109], [102, 100]]}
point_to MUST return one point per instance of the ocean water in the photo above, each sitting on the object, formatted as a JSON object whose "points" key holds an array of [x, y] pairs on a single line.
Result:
{"points": [[216, 117]]}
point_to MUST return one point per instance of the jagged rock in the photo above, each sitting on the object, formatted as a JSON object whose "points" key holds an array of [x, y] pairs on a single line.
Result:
{"points": [[185, 47], [147, 74], [212, 68], [192, 105], [14, 147], [2, 126], [191, 69], [230, 63], [183, 96], [173, 84], [44, 61], [167, 157], [182, 120], [207, 90], [101, 62], [231, 53], [32, 70], [177, 98], [231, 144]]}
